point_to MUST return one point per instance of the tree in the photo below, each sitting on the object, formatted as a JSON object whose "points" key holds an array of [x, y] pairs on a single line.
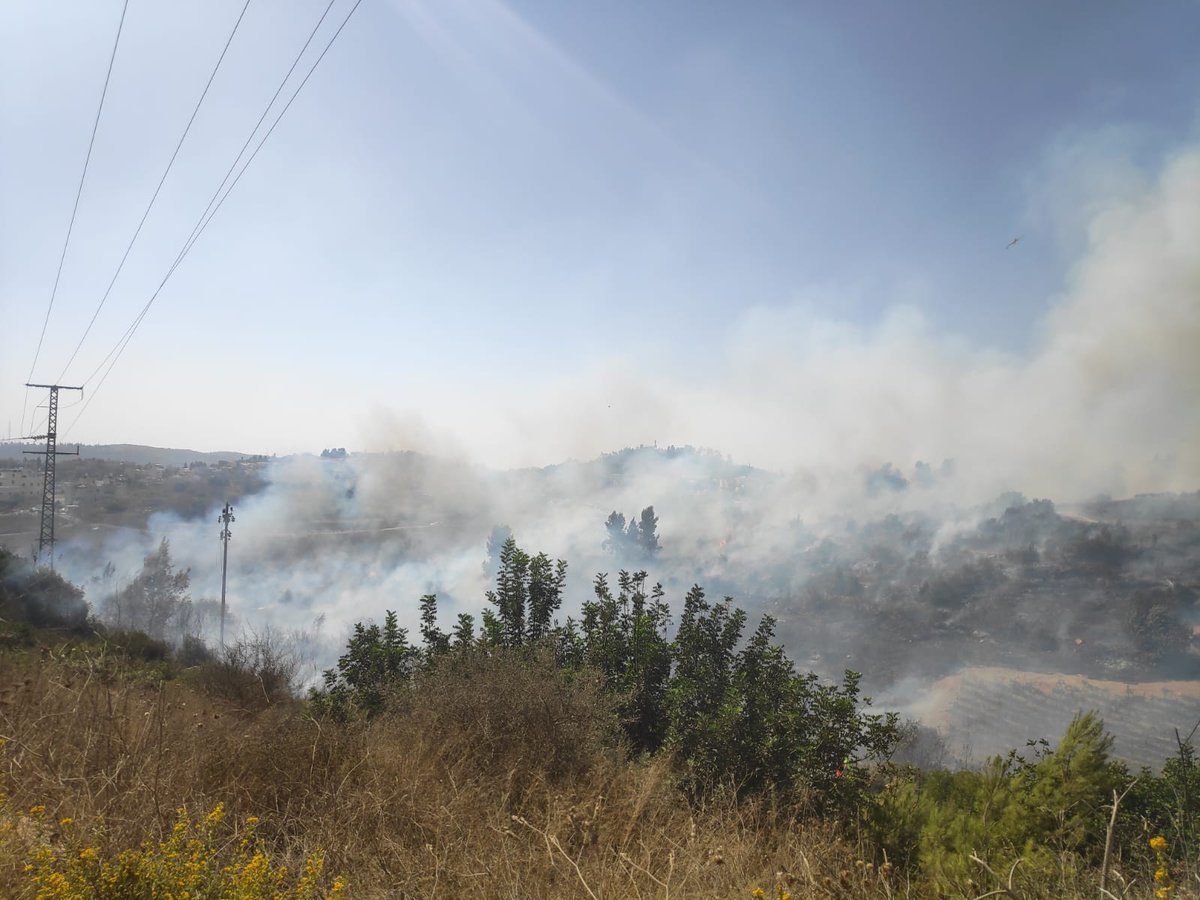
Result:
{"points": [[648, 533], [624, 637], [464, 633], [748, 718], [512, 593], [702, 706], [614, 525], [157, 600], [495, 543], [375, 660], [546, 583], [636, 539], [1064, 792], [38, 597], [528, 593], [437, 642]]}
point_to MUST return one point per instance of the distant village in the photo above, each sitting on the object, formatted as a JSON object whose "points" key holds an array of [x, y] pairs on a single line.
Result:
{"points": [[98, 493]]}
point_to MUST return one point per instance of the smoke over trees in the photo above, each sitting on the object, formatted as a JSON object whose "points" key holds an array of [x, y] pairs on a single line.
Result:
{"points": [[38, 597], [158, 601], [636, 541], [730, 714]]}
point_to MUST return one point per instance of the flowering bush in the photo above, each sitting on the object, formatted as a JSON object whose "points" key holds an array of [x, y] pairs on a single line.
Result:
{"points": [[196, 860]]}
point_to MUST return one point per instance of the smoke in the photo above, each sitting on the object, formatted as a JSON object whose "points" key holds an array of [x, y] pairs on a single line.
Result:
{"points": [[878, 453], [1105, 401]]}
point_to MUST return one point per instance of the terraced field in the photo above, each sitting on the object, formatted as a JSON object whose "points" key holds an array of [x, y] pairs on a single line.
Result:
{"points": [[987, 710]]}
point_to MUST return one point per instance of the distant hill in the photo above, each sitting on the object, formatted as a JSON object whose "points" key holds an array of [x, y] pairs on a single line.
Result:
{"points": [[130, 453]]}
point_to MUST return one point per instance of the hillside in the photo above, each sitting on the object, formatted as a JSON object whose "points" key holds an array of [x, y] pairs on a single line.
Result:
{"points": [[136, 454], [888, 576], [497, 765]]}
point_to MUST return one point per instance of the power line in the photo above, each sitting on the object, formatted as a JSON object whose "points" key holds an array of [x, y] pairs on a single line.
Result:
{"points": [[158, 189], [206, 217], [253, 131], [78, 193], [202, 222], [286, 106]]}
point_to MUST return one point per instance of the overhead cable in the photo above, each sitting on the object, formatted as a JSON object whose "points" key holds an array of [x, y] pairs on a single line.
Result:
{"points": [[206, 217], [153, 198], [75, 209]]}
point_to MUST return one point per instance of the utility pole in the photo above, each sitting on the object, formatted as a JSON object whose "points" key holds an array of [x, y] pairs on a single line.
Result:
{"points": [[225, 518], [46, 535]]}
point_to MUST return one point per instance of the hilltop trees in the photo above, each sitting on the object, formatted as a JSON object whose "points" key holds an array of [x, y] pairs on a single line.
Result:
{"points": [[637, 540]]}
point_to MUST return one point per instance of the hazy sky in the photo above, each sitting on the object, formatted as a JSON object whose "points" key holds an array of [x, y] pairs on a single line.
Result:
{"points": [[534, 229]]}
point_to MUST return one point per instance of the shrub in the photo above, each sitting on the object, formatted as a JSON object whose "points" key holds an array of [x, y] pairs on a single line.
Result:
{"points": [[256, 671], [198, 859]]}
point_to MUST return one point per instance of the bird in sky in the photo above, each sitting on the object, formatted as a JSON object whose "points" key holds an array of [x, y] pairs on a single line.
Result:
{"points": [[1013, 241]]}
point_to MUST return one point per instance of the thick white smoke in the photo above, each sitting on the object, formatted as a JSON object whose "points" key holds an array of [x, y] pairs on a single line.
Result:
{"points": [[1106, 400]]}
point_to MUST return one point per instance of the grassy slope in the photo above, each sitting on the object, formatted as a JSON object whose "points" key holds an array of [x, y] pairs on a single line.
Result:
{"points": [[492, 778], [498, 780]]}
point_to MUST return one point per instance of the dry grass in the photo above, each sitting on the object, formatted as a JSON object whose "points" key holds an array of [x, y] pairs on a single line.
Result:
{"points": [[492, 778], [466, 790]]}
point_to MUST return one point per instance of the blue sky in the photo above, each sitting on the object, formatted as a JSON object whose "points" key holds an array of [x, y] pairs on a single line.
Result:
{"points": [[485, 225]]}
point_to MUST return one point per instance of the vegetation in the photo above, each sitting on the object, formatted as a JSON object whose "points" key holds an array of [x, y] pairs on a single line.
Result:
{"points": [[611, 756]]}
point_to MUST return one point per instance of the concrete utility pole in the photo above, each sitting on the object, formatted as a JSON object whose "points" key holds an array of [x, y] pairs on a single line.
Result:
{"points": [[46, 535], [225, 518]]}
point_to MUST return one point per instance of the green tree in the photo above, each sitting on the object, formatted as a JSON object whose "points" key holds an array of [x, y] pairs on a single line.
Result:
{"points": [[375, 661], [512, 593], [624, 638], [528, 593], [464, 633], [748, 718], [437, 642], [702, 703], [1064, 793], [38, 597], [546, 581]]}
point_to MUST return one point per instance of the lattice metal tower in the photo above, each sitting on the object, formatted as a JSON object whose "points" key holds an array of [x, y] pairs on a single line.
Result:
{"points": [[45, 548]]}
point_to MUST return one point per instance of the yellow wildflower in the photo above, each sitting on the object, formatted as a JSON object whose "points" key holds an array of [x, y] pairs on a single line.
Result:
{"points": [[758, 892], [87, 853], [37, 810], [1163, 893], [1160, 874], [252, 821], [1158, 843], [65, 821]]}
